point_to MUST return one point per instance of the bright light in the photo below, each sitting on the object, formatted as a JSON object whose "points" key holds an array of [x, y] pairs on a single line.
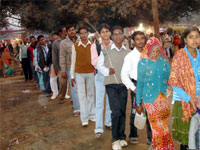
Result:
{"points": [[149, 31], [140, 27]]}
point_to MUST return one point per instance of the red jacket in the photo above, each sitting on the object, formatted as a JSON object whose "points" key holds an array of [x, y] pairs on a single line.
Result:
{"points": [[30, 53]]}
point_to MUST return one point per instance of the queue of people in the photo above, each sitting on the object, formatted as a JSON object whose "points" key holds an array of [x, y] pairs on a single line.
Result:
{"points": [[105, 69]]}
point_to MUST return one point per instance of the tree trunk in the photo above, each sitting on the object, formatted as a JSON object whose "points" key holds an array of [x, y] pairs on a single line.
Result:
{"points": [[155, 18]]}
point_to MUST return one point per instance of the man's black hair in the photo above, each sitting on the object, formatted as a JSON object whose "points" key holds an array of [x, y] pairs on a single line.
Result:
{"points": [[31, 37], [81, 28], [70, 26], [137, 33], [39, 37], [103, 25], [60, 29], [117, 27]]}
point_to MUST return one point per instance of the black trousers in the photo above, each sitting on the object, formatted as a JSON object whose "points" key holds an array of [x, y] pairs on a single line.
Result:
{"points": [[46, 80], [27, 69], [133, 129], [117, 95], [148, 128]]}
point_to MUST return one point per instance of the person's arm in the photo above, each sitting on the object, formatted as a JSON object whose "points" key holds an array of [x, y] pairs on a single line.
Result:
{"points": [[49, 57], [125, 73], [166, 89], [179, 94], [28, 55], [63, 55], [36, 59], [55, 56], [168, 70], [175, 77], [20, 54], [140, 81], [94, 55], [100, 66], [73, 61]]}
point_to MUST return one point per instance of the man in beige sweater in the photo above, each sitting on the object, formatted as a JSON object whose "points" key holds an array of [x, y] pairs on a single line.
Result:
{"points": [[65, 64], [109, 64]]}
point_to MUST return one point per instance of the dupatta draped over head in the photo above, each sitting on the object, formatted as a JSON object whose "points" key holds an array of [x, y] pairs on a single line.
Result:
{"points": [[151, 44]]}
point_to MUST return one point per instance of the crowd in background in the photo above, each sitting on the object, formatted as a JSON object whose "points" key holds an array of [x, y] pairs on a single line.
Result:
{"points": [[170, 40]]}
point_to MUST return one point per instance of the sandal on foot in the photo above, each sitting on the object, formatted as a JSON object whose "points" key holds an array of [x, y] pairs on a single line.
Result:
{"points": [[99, 135]]}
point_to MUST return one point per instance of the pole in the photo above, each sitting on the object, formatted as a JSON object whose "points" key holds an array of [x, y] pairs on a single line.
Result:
{"points": [[155, 18]]}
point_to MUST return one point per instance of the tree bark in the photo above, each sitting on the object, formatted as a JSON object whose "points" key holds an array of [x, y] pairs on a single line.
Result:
{"points": [[155, 18]]}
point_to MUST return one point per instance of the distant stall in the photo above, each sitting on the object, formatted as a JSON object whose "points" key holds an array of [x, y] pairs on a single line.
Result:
{"points": [[11, 34]]}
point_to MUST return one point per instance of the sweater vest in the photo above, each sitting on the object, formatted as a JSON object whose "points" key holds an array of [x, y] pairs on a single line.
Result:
{"points": [[24, 49], [83, 59], [116, 58]]}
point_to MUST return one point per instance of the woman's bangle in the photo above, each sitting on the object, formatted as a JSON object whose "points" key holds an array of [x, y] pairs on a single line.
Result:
{"points": [[138, 104]]}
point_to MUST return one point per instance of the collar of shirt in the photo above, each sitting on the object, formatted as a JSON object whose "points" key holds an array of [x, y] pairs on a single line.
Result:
{"points": [[25, 45], [113, 46], [45, 48], [80, 43], [103, 45], [137, 52], [68, 38], [59, 39]]}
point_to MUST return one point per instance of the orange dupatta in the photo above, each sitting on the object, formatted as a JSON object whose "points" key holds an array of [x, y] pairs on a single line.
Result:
{"points": [[182, 76]]}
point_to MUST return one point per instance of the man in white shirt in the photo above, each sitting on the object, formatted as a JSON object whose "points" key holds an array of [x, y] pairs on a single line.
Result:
{"points": [[23, 57], [129, 78]]}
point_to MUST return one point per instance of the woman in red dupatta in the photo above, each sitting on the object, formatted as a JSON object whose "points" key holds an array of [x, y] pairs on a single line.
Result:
{"points": [[155, 73]]}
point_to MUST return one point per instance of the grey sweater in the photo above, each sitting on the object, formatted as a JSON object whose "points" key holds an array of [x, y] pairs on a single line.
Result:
{"points": [[117, 59]]}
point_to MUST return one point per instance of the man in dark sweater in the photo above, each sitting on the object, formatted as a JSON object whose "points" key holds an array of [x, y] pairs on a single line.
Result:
{"points": [[42, 63]]}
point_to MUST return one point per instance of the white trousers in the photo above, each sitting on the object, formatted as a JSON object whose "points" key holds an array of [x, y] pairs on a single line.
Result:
{"points": [[54, 85]]}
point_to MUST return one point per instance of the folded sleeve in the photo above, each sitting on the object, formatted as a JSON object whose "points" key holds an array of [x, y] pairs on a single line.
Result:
{"points": [[101, 67], [125, 74], [179, 94], [73, 62], [63, 55], [94, 55]]}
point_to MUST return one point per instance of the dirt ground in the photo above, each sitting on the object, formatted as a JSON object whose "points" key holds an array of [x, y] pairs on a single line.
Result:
{"points": [[42, 124]]}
